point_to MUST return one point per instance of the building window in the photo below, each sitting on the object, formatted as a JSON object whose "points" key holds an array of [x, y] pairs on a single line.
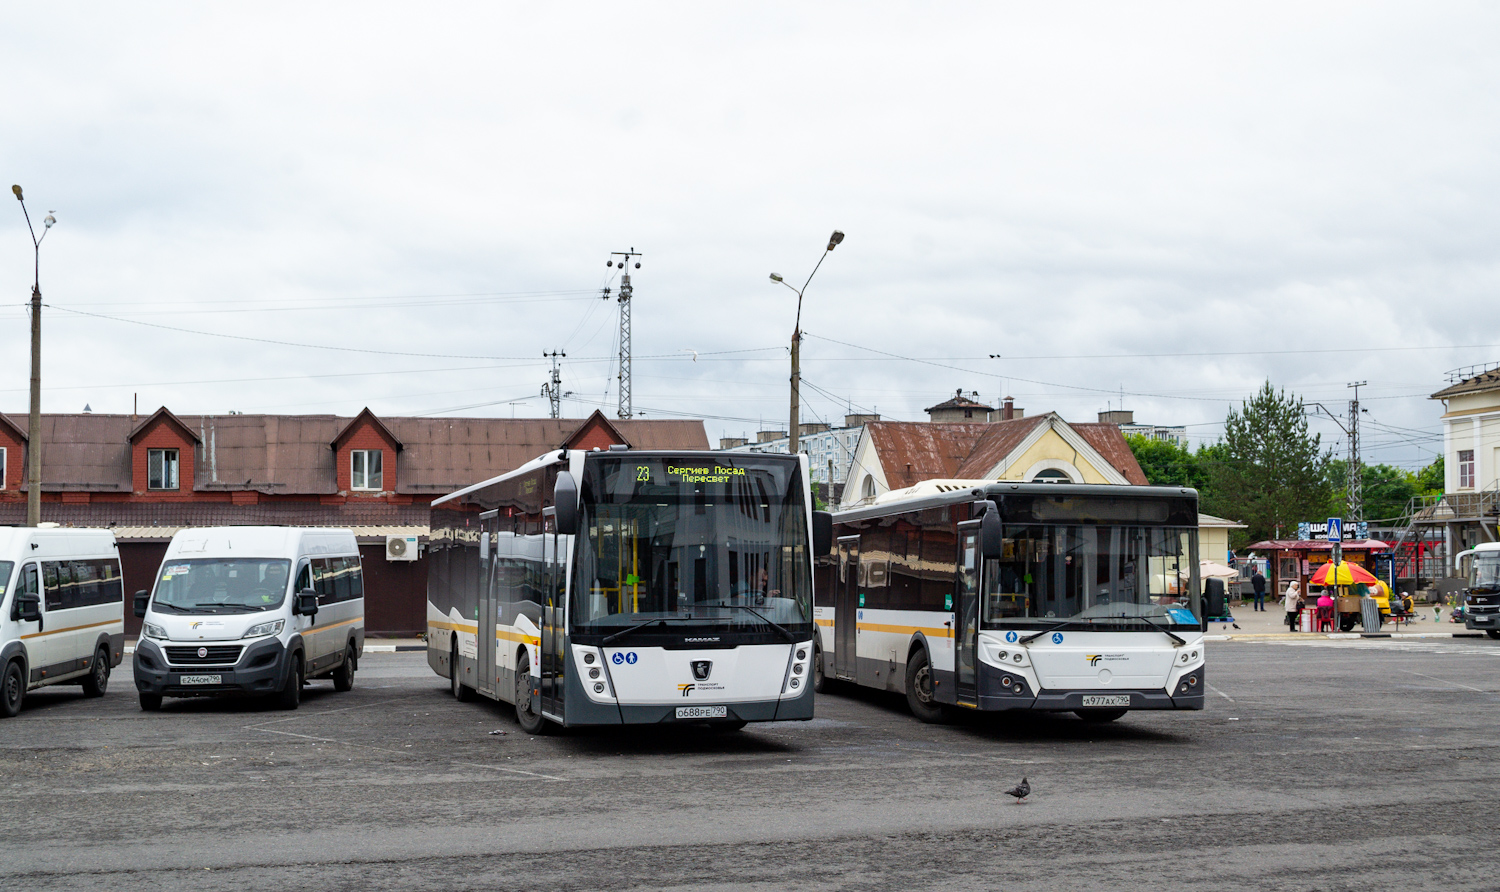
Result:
{"points": [[1465, 469], [161, 469], [3, 466], [868, 491], [364, 469]]}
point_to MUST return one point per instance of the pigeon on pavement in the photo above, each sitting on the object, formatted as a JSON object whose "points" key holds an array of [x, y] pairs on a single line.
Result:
{"points": [[1020, 791]]}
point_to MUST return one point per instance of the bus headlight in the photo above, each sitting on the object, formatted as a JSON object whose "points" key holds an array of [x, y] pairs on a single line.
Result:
{"points": [[152, 630]]}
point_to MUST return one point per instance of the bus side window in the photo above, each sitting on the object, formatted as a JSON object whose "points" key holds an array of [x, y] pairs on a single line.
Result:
{"points": [[341, 573], [54, 585], [323, 580], [304, 579], [356, 578], [29, 585]]}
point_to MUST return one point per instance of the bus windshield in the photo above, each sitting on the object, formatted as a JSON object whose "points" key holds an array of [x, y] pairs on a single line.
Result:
{"points": [[694, 544], [1484, 572], [1104, 575], [216, 585]]}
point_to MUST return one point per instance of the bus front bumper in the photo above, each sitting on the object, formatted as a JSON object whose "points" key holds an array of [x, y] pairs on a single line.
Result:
{"points": [[1000, 690]]}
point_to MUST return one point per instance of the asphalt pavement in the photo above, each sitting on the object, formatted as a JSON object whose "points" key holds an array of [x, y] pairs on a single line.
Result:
{"points": [[1320, 763]]}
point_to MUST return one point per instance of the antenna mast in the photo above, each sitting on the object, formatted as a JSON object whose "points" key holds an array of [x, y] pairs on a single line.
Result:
{"points": [[624, 300], [552, 390]]}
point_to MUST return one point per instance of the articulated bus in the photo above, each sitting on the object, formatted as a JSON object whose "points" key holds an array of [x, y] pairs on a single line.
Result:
{"points": [[629, 587], [1001, 596]]}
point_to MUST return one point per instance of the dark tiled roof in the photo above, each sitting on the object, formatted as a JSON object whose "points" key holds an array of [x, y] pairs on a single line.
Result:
{"points": [[1111, 444], [913, 451], [290, 454], [169, 515]]}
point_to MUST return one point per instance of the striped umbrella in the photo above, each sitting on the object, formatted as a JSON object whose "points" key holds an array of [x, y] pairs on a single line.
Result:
{"points": [[1342, 574]]}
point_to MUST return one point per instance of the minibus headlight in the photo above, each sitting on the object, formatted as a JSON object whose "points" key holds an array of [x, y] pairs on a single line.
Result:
{"points": [[261, 630], [152, 630]]}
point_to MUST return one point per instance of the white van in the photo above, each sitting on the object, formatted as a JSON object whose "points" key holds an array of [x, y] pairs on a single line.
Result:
{"points": [[62, 610], [251, 610]]}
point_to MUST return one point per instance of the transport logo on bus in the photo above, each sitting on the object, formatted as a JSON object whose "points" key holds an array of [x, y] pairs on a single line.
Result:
{"points": [[701, 669], [686, 688]]}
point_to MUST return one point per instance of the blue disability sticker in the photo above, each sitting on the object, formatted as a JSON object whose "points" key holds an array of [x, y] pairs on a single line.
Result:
{"points": [[618, 659], [1011, 637], [1182, 616], [631, 658], [1057, 638]]}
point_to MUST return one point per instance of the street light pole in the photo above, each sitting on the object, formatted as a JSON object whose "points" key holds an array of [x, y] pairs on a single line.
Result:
{"points": [[793, 428], [34, 424]]}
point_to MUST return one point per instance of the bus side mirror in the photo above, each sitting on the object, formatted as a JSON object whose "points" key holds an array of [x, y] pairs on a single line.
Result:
{"points": [[28, 608], [565, 503], [142, 599], [306, 603], [991, 532], [822, 534], [1214, 589]]}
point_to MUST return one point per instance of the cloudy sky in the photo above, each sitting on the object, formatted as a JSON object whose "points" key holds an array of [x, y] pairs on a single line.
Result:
{"points": [[300, 208]]}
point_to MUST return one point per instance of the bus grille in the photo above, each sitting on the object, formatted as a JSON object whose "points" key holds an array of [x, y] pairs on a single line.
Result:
{"points": [[225, 655]]}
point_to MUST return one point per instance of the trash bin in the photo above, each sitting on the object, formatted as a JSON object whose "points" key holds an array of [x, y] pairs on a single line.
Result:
{"points": [[1307, 622]]}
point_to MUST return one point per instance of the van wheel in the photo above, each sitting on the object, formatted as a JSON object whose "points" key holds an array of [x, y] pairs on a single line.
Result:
{"points": [[528, 712], [461, 692], [150, 702], [343, 676], [12, 689], [819, 680], [290, 697], [1493, 633], [95, 683], [919, 694]]}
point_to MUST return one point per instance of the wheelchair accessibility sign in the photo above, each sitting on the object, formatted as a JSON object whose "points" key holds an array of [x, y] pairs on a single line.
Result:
{"points": [[629, 657], [1057, 638]]}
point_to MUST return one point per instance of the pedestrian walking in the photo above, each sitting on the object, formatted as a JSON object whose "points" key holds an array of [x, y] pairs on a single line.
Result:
{"points": [[1258, 585], [1291, 602]]}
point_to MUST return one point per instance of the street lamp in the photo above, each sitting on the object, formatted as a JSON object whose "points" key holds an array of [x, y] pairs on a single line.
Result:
{"points": [[34, 426], [793, 446]]}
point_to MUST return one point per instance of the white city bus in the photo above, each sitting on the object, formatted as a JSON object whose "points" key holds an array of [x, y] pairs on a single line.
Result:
{"points": [[1002, 596], [629, 587]]}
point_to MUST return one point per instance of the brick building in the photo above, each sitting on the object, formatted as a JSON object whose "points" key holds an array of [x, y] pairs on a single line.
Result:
{"points": [[146, 478]]}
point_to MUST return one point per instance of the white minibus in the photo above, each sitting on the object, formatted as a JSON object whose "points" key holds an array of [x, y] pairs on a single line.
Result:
{"points": [[251, 610], [62, 614]]}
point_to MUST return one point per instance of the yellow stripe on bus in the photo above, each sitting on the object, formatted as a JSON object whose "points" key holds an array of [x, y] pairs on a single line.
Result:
{"points": [[334, 626], [73, 629], [500, 634], [907, 630], [823, 622]]}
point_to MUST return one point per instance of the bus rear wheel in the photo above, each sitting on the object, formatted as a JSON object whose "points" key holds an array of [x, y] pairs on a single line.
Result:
{"points": [[461, 692], [819, 680], [343, 676], [919, 693], [95, 683]]}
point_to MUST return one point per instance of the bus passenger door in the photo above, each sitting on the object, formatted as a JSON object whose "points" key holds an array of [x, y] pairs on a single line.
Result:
{"points": [[845, 607], [553, 619], [966, 614], [485, 681]]}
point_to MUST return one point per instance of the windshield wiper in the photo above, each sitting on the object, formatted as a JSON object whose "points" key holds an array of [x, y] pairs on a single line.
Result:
{"points": [[229, 606], [789, 636], [635, 628], [1161, 629], [1061, 625], [177, 607]]}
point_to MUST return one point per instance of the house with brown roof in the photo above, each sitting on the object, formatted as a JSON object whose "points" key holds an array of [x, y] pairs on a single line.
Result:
{"points": [[898, 454], [146, 478]]}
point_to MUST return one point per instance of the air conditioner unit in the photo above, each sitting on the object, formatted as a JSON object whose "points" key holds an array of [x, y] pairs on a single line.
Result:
{"points": [[400, 548]]}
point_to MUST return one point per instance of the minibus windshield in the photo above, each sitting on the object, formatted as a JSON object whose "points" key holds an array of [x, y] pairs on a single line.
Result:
{"points": [[220, 585]]}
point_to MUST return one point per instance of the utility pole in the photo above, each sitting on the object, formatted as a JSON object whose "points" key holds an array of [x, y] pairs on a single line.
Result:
{"points": [[552, 390], [793, 443], [34, 425], [626, 290], [1355, 484]]}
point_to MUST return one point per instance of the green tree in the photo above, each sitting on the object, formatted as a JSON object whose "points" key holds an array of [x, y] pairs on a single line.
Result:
{"points": [[1269, 472], [1431, 480], [1165, 463]]}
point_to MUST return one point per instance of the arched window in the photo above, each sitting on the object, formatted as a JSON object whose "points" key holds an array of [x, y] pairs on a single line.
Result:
{"points": [[868, 490], [1052, 475]]}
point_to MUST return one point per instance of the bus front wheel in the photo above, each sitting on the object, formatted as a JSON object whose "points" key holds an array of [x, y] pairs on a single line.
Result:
{"points": [[528, 711], [819, 680], [919, 692]]}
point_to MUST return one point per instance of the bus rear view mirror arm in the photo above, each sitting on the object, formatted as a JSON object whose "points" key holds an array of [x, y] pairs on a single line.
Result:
{"points": [[822, 534]]}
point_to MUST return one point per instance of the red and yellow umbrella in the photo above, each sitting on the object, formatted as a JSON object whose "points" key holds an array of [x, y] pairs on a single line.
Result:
{"points": [[1342, 574]]}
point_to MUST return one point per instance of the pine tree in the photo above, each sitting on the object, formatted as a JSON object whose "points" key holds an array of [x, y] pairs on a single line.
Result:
{"points": [[1268, 472]]}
